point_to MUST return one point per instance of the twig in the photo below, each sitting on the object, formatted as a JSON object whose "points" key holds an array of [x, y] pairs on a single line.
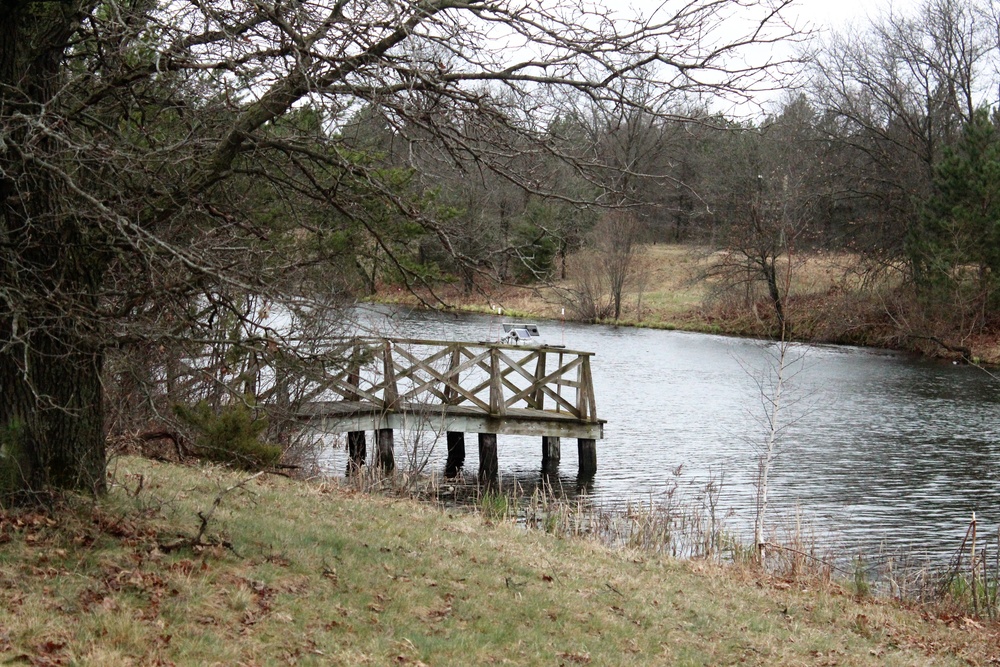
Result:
{"points": [[198, 540], [972, 568], [986, 588]]}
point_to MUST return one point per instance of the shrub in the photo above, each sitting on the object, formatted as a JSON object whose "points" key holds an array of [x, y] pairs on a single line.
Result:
{"points": [[230, 436]]}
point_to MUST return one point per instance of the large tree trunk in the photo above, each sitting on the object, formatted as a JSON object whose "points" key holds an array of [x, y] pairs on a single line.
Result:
{"points": [[51, 266], [51, 415], [51, 409]]}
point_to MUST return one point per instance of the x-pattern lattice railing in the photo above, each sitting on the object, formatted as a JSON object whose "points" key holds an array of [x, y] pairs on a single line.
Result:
{"points": [[390, 372]]}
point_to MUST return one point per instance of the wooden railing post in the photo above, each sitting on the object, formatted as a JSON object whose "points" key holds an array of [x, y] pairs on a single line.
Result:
{"points": [[537, 399], [586, 405], [451, 388], [558, 380], [354, 374], [498, 406], [390, 396]]}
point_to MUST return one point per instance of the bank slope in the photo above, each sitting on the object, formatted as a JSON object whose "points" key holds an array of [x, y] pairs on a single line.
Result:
{"points": [[315, 574]]}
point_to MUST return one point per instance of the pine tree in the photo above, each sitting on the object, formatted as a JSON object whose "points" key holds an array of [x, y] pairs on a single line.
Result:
{"points": [[956, 244]]}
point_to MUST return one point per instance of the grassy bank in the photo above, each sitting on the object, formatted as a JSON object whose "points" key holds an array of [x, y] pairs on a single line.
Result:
{"points": [[826, 304], [297, 573]]}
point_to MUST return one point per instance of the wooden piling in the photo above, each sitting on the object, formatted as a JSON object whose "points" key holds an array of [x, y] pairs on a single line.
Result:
{"points": [[357, 451], [550, 449], [383, 454], [587, 448], [456, 453], [488, 465]]}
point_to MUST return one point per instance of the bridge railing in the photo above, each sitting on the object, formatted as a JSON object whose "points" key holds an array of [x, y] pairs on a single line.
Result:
{"points": [[397, 373]]}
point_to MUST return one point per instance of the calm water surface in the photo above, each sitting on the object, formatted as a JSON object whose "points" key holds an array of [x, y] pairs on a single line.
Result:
{"points": [[880, 451]]}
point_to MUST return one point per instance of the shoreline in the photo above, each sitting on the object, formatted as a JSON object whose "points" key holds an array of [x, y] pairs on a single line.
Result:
{"points": [[826, 307], [694, 327]]}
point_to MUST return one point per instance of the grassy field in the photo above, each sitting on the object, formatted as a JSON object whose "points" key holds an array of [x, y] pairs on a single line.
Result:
{"points": [[674, 288], [298, 573]]}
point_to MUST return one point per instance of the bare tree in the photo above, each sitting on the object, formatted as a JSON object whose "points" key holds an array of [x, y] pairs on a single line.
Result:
{"points": [[618, 249], [896, 94], [767, 194], [779, 410], [155, 158], [605, 268], [773, 403]]}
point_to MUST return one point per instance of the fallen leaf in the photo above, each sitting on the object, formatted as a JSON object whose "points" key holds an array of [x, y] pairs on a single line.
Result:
{"points": [[579, 658]]}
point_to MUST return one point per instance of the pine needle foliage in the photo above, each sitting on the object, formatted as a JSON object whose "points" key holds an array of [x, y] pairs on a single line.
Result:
{"points": [[230, 435]]}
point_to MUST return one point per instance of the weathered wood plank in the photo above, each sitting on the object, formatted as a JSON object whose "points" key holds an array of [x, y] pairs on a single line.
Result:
{"points": [[340, 417], [444, 343]]}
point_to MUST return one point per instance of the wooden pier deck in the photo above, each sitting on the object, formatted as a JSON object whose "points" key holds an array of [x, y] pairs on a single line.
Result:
{"points": [[346, 416], [453, 387]]}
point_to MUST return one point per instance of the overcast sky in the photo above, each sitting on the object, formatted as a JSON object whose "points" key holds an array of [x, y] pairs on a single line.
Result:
{"points": [[838, 13]]}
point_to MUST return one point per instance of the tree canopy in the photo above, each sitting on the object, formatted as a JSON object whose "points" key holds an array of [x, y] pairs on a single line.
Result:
{"points": [[160, 161]]}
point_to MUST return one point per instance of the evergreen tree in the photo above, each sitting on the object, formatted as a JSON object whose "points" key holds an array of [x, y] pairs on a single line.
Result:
{"points": [[955, 247]]}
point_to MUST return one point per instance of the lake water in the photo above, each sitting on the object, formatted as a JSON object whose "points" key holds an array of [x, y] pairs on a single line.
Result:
{"points": [[879, 452]]}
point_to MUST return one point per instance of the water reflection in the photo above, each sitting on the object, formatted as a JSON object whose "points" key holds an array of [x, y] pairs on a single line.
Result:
{"points": [[879, 451]]}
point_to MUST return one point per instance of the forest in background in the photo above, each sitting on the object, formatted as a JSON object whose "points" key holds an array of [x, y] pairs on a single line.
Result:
{"points": [[885, 153]]}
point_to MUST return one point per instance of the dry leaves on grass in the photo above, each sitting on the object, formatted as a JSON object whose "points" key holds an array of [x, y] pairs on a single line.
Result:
{"points": [[47, 653]]}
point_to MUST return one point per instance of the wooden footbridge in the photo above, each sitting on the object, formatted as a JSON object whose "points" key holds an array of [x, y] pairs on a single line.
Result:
{"points": [[457, 388]]}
